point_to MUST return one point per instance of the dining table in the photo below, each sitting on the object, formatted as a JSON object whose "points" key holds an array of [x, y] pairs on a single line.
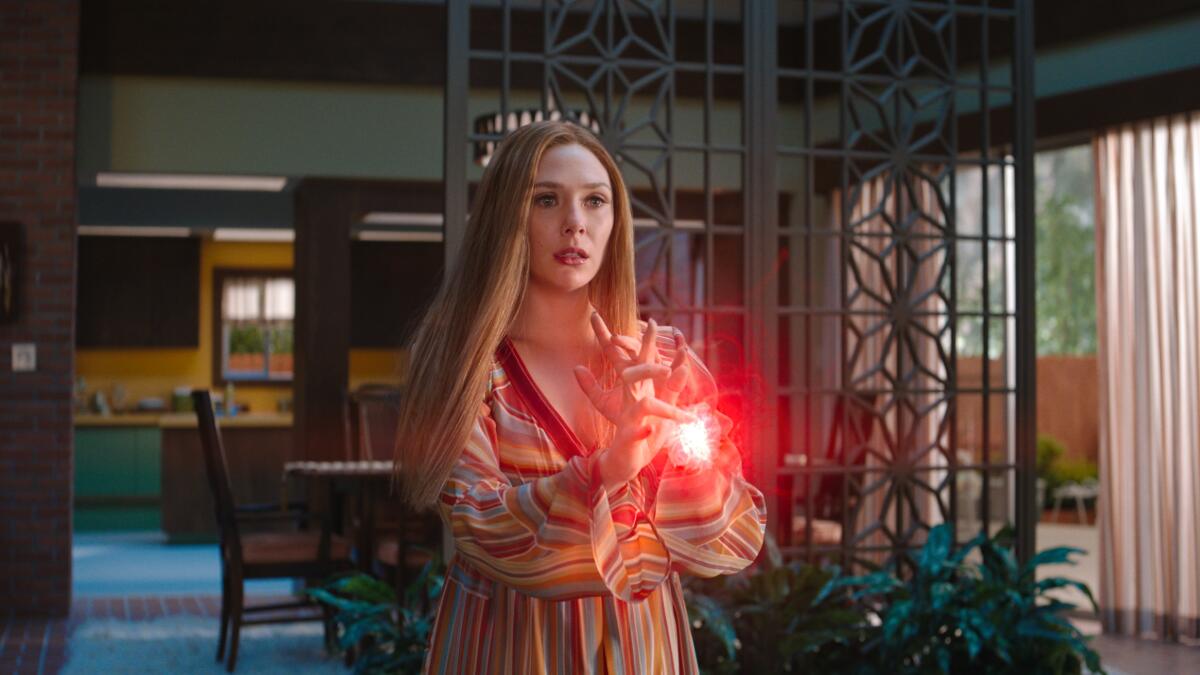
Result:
{"points": [[353, 484]]}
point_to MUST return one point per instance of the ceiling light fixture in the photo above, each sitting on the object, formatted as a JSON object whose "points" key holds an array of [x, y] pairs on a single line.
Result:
{"points": [[403, 218], [398, 235], [249, 234], [132, 231], [497, 125], [680, 224], [187, 181]]}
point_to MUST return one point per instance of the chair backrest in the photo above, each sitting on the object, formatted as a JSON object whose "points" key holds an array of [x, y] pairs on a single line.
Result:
{"points": [[215, 466], [853, 421], [374, 415], [849, 432]]}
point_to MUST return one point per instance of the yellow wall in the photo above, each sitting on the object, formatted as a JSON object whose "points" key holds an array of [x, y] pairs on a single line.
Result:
{"points": [[156, 372]]}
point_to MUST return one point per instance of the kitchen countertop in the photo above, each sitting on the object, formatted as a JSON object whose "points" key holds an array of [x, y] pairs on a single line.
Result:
{"points": [[170, 420], [188, 420], [139, 419]]}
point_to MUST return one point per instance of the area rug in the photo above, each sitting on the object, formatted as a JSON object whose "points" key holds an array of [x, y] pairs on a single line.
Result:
{"points": [[188, 644]]}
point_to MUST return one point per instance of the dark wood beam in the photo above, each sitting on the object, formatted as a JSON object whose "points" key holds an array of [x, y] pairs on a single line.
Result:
{"points": [[1092, 109], [326, 210], [324, 214], [1069, 114], [375, 42], [405, 43]]}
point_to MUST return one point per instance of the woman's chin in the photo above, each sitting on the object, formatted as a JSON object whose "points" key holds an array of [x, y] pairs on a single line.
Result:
{"points": [[565, 281]]}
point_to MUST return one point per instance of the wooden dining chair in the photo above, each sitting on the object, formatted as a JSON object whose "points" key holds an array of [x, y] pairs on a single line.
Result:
{"points": [[374, 417], [309, 555], [851, 427], [405, 539]]}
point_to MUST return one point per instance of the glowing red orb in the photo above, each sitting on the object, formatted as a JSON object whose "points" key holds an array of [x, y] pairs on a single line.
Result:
{"points": [[695, 442]]}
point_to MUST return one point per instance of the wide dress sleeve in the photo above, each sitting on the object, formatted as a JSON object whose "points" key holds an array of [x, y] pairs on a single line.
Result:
{"points": [[712, 520], [556, 537]]}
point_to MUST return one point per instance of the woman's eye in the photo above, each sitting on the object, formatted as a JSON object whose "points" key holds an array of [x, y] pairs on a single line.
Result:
{"points": [[544, 200], [596, 200]]}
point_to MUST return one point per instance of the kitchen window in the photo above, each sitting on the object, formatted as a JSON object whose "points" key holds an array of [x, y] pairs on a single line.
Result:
{"points": [[255, 333]]}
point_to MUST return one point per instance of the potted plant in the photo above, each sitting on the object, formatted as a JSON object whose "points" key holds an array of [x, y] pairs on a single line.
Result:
{"points": [[387, 631], [945, 615]]}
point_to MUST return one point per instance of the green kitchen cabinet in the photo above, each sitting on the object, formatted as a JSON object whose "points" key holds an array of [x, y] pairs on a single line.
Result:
{"points": [[118, 478]]}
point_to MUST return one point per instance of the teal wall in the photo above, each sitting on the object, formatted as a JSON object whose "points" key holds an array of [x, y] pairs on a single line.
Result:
{"points": [[352, 130]]}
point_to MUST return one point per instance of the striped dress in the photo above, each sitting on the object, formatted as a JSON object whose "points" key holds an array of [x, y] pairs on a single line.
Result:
{"points": [[552, 573]]}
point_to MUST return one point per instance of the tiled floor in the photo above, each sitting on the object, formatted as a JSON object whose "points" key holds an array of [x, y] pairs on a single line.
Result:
{"points": [[127, 577], [1146, 657], [37, 646], [1086, 567], [142, 563], [112, 583], [33, 645]]}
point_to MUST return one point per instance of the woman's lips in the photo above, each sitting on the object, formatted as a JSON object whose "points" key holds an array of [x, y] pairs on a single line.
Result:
{"points": [[571, 257]]}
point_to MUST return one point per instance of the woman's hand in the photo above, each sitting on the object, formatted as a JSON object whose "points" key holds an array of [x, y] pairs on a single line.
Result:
{"points": [[634, 400]]}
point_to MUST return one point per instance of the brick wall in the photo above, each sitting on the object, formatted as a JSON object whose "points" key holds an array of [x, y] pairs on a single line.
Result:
{"points": [[39, 45]]}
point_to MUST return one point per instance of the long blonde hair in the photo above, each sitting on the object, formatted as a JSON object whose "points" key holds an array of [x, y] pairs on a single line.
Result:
{"points": [[452, 350]]}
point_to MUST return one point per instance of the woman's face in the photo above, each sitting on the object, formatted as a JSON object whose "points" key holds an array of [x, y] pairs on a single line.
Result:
{"points": [[570, 218]]}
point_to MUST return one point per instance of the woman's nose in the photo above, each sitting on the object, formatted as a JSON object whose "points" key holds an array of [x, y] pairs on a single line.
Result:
{"points": [[573, 221]]}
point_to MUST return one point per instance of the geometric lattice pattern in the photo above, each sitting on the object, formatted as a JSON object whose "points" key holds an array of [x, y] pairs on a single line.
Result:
{"points": [[884, 460], [886, 426], [615, 65]]}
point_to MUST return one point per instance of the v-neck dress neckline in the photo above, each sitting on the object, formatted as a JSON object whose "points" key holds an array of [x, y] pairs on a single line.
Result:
{"points": [[547, 416]]}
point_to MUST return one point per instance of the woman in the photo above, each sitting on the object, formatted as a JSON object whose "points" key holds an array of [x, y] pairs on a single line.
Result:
{"points": [[537, 420]]}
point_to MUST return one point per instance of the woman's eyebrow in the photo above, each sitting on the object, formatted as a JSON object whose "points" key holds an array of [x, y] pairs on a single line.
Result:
{"points": [[552, 184]]}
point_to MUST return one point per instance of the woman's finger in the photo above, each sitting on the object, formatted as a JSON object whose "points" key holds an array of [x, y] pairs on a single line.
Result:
{"points": [[628, 436], [601, 328], [670, 389], [653, 406], [628, 343], [649, 348], [587, 382], [612, 349], [680, 351], [644, 371]]}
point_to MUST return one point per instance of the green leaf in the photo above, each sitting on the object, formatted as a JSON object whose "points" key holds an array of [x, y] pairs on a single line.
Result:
{"points": [[714, 618], [973, 639], [937, 548], [1060, 582], [774, 555], [340, 603], [962, 553], [365, 588], [1060, 555]]}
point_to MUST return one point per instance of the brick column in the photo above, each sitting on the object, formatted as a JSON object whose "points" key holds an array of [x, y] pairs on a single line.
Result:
{"points": [[39, 47]]}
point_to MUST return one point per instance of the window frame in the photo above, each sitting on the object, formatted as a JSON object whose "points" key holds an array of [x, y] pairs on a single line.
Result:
{"points": [[220, 275]]}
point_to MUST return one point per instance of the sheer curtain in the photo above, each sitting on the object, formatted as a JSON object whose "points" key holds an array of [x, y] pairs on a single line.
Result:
{"points": [[1148, 321]]}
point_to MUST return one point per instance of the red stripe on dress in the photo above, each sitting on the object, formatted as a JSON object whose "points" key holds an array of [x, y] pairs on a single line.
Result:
{"points": [[546, 416]]}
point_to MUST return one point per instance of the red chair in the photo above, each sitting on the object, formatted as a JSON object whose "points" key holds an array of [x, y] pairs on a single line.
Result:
{"points": [[308, 555]]}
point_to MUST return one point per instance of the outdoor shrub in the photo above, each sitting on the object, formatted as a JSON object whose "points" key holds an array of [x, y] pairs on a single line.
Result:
{"points": [[1075, 471], [1049, 450], [389, 633]]}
